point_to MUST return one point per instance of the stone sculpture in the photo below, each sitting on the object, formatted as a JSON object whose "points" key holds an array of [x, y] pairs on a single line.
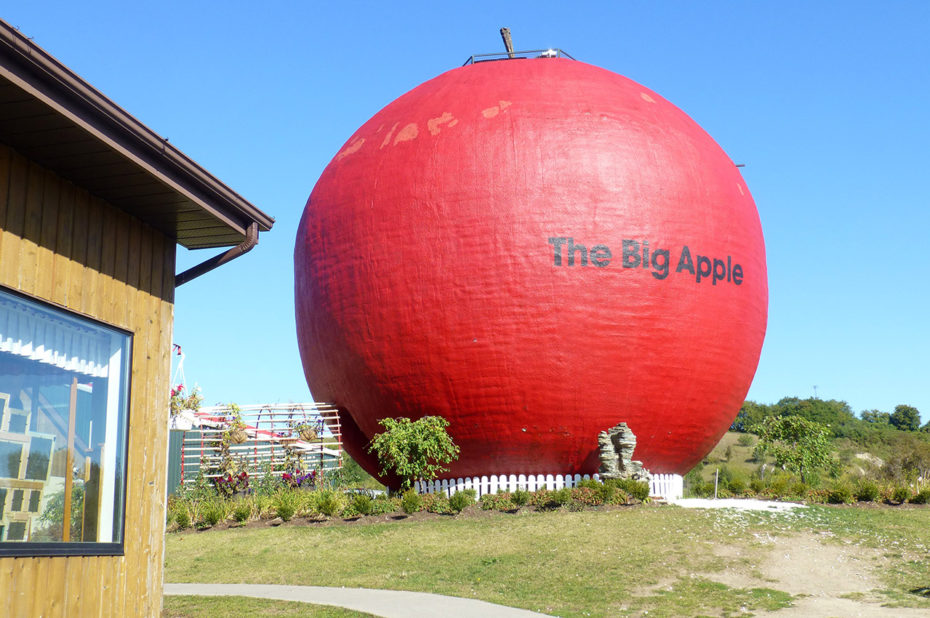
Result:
{"points": [[616, 452]]}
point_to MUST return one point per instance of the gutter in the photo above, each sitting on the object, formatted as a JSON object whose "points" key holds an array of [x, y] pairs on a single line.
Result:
{"points": [[251, 239]]}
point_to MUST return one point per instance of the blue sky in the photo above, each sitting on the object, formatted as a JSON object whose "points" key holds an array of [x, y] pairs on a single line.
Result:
{"points": [[827, 104]]}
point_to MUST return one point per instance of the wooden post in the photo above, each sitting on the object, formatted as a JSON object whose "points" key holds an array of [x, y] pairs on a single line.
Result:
{"points": [[69, 461]]}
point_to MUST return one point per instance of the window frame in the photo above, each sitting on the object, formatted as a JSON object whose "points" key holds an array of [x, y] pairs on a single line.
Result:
{"points": [[17, 549]]}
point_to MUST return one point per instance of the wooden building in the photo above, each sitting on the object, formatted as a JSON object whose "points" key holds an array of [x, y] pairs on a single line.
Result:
{"points": [[92, 205]]}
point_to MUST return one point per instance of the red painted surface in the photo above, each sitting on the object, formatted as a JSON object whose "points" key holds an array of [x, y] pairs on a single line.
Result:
{"points": [[426, 282]]}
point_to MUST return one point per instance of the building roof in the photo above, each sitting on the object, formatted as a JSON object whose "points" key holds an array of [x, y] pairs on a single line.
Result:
{"points": [[53, 116]]}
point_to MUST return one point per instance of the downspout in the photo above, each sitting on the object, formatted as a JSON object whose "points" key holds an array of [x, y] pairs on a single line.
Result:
{"points": [[251, 239]]}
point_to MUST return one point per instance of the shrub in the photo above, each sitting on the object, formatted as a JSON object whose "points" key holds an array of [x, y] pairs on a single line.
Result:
{"points": [[242, 511], [705, 489], [520, 497], [542, 498], [286, 503], [461, 500], [563, 496], [780, 486], [306, 503], [213, 511], [818, 496], [499, 502], [737, 485], [264, 505], [329, 502], [757, 486], [800, 490], [635, 489], [589, 483], [900, 494], [182, 518], [586, 496], [488, 502], [867, 491], [436, 503], [840, 494], [362, 504], [693, 482], [382, 505], [607, 494], [746, 439], [922, 497], [411, 502]]}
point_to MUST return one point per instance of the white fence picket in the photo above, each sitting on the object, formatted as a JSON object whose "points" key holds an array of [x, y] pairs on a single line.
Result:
{"points": [[667, 486]]}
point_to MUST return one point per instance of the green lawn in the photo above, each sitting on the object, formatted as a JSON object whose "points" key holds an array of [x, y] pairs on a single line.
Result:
{"points": [[597, 563]]}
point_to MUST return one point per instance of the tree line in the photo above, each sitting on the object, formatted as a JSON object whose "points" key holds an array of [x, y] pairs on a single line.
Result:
{"points": [[837, 416]]}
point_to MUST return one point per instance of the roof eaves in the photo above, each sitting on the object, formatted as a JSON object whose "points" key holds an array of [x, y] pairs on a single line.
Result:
{"points": [[42, 76]]}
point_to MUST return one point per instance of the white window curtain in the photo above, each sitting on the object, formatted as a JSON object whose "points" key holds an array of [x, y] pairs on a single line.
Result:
{"points": [[41, 336]]}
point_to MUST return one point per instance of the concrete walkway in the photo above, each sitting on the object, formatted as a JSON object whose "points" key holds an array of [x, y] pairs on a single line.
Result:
{"points": [[387, 603]]}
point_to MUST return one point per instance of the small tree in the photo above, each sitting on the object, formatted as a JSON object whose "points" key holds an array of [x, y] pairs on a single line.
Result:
{"points": [[797, 444], [414, 449], [905, 418]]}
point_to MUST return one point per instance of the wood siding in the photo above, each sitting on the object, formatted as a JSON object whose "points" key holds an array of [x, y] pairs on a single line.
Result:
{"points": [[63, 245]]}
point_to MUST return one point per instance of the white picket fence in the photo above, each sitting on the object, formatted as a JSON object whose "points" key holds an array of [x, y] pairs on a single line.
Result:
{"points": [[665, 486]]}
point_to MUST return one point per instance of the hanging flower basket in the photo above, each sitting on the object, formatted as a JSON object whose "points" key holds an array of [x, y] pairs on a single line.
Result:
{"points": [[307, 434], [237, 435]]}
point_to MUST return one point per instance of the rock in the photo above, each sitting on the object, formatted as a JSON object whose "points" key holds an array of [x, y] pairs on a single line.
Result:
{"points": [[616, 452], [277, 521]]}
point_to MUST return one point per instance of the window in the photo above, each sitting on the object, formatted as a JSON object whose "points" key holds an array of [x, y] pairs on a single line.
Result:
{"points": [[64, 393]]}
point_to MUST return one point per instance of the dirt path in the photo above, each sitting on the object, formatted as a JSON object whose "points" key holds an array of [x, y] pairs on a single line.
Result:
{"points": [[823, 575]]}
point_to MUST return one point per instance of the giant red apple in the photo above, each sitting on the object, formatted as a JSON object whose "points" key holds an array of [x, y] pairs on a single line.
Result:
{"points": [[536, 250]]}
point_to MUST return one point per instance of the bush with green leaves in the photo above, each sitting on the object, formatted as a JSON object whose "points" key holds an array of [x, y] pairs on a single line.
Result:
{"points": [[286, 503], [362, 503], [499, 502], [867, 491], [411, 502], [589, 483], [746, 439], [638, 490], [900, 494], [414, 450], [213, 511], [586, 496], [694, 480], [737, 485], [263, 505], [841, 493], [520, 497], [922, 497], [330, 502], [242, 510], [461, 500], [799, 490], [611, 494], [562, 497], [436, 503], [384, 504], [182, 518]]}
